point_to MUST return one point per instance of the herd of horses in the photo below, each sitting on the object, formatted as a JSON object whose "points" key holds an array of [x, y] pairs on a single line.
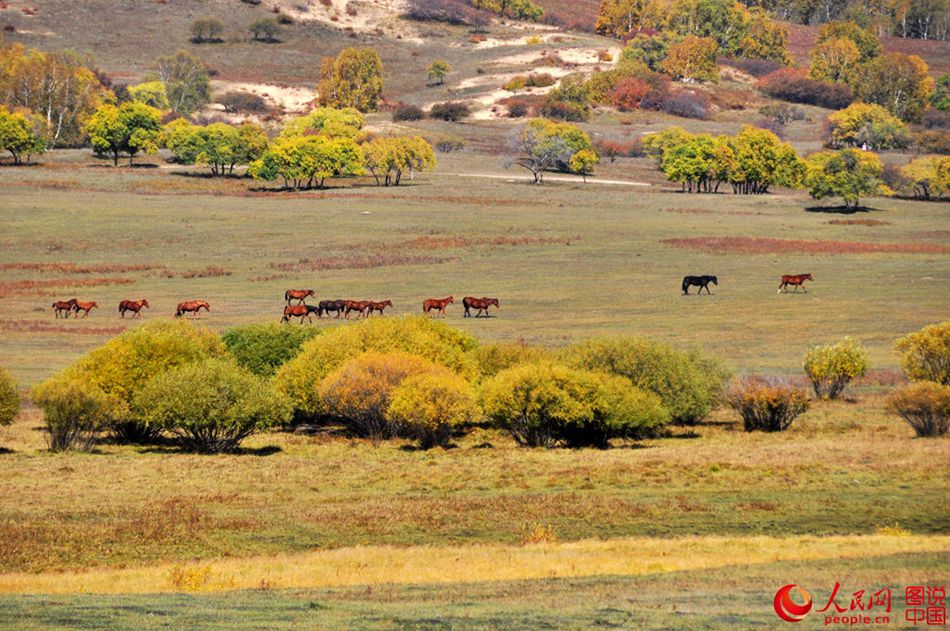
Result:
{"points": [[366, 308]]}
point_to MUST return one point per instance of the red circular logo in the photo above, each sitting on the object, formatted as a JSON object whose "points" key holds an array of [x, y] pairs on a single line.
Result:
{"points": [[788, 610]]}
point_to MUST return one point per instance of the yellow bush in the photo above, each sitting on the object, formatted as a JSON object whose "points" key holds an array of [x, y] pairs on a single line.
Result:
{"points": [[768, 405], [831, 367], [9, 399], [926, 353], [74, 411], [360, 391], [430, 407], [300, 378], [925, 405], [490, 359]]}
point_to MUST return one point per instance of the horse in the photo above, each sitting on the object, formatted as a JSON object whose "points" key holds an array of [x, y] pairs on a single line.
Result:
{"points": [[135, 306], [360, 306], [439, 304], [379, 306], [299, 311], [63, 308], [798, 280], [326, 306], [701, 281], [85, 307], [300, 295], [193, 307], [482, 304]]}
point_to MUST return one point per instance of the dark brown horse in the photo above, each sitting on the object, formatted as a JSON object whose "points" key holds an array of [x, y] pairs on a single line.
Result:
{"points": [[798, 280], [300, 295], [299, 311], [85, 307], [193, 307], [700, 281], [359, 306], [379, 306], [439, 304], [63, 308], [326, 306], [135, 306], [482, 304]]}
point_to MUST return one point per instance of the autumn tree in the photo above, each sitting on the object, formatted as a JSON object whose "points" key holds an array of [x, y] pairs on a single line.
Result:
{"points": [[898, 82], [545, 145], [22, 133], [726, 22], [862, 124], [868, 44], [650, 50], [623, 18], [57, 86], [693, 59], [764, 38], [835, 60], [218, 145], [388, 158], [329, 121], [152, 93], [583, 162], [265, 30], [130, 128], [848, 173], [306, 161], [515, 9], [354, 78], [940, 98], [929, 176], [438, 69], [760, 160], [186, 80]]}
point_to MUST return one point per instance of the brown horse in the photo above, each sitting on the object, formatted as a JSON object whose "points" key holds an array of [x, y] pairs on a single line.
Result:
{"points": [[798, 280], [299, 311], [481, 304], [360, 306], [63, 308], [379, 306], [85, 307], [300, 295], [439, 304], [135, 306], [193, 307]]}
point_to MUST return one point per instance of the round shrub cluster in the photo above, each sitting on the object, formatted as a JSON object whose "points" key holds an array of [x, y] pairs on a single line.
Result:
{"points": [[768, 405], [431, 407], [542, 405], [925, 354], [74, 410], [263, 348], [831, 367], [688, 384], [210, 406], [925, 406], [9, 399]]}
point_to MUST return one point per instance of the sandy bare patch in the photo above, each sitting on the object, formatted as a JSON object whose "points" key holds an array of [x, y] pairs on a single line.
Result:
{"points": [[361, 16], [292, 99]]}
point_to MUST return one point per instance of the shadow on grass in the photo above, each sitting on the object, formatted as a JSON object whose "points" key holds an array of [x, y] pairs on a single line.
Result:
{"points": [[4, 450]]}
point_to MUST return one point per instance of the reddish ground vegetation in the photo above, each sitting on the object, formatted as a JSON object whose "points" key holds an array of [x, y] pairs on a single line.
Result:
{"points": [[53, 286], [761, 245], [357, 261], [209, 272], [452, 242], [75, 268], [35, 326]]}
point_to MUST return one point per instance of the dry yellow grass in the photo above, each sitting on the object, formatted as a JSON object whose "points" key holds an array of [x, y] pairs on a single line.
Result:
{"points": [[375, 565]]}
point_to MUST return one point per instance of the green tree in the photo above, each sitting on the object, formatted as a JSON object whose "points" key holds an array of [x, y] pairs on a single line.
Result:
{"points": [[328, 121], [186, 80], [623, 18], [130, 128], [305, 161], [206, 30], [764, 38], [867, 42], [544, 145], [898, 82], [692, 59], [151, 93], [438, 69], [848, 173], [941, 94], [724, 21], [354, 78], [862, 123], [835, 60], [265, 29], [760, 160], [651, 50], [388, 158], [515, 9], [21, 134]]}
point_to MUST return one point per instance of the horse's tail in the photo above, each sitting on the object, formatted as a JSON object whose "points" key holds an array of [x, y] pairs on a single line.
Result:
{"points": [[287, 296], [685, 284]]}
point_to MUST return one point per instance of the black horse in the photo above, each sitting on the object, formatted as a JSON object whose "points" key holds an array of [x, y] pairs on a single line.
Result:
{"points": [[701, 281], [326, 306]]}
